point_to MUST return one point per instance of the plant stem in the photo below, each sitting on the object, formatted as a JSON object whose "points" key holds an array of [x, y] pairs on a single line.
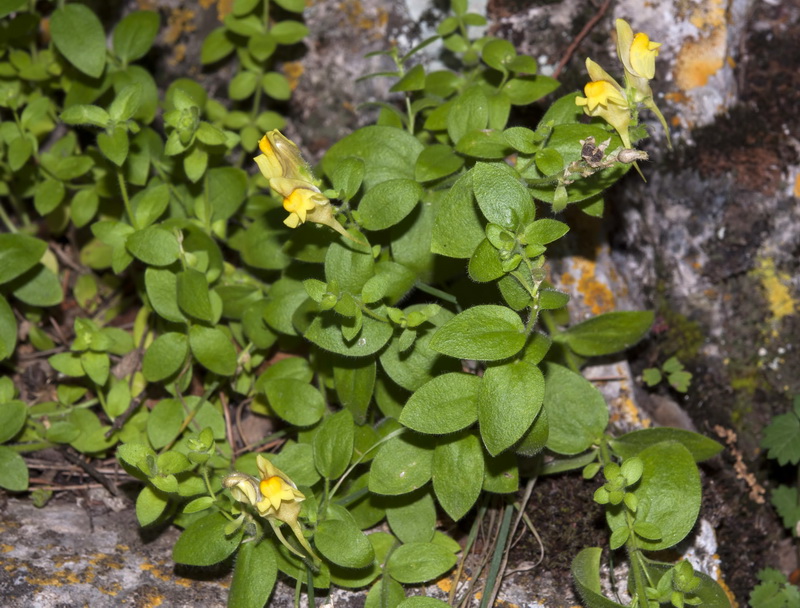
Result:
{"points": [[123, 188], [7, 220]]}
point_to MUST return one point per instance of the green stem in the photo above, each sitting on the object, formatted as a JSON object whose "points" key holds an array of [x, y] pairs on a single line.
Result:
{"points": [[442, 295], [7, 220], [123, 188]]}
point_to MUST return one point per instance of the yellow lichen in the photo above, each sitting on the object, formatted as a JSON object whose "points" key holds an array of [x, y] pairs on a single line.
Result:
{"points": [[596, 295], [776, 289]]}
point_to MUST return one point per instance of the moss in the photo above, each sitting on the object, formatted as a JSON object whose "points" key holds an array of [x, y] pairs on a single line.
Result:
{"points": [[683, 337]]}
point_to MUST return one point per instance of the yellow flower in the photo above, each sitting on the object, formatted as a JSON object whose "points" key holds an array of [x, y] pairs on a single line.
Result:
{"points": [[280, 157], [281, 163], [636, 52], [299, 203], [603, 93], [638, 56], [643, 55], [276, 498], [279, 496], [606, 99]]}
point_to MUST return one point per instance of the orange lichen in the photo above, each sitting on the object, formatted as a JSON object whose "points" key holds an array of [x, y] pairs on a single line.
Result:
{"points": [[293, 70], [445, 585], [725, 588], [698, 60], [596, 294], [796, 190], [179, 22], [709, 14], [5, 548], [164, 573]]}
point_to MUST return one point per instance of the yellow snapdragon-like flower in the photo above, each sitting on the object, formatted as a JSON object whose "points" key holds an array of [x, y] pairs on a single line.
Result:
{"points": [[274, 496], [638, 56], [606, 98], [289, 176]]}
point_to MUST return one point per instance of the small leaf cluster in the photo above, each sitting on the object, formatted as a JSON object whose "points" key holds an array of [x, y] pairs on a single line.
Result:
{"points": [[781, 438], [774, 591], [251, 34], [674, 372]]}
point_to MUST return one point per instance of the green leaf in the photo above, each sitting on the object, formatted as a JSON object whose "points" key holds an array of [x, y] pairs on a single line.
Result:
{"points": [[469, 111], [38, 287], [195, 163], [149, 204], [193, 295], [435, 162], [501, 475], [135, 34], [386, 593], [607, 333], [243, 85], [782, 436], [485, 264], [254, 575], [418, 363], [333, 447], [293, 6], [162, 292], [13, 415], [498, 54], [445, 404], [485, 144], [524, 90], [204, 542], [154, 246], [787, 504], [126, 103], [412, 517], [48, 195], [501, 196], [403, 464], [10, 6], [354, 381], [114, 146], [458, 227], [325, 331], [79, 36], [586, 572], [216, 46], [276, 86], [295, 401], [388, 203], [341, 542], [350, 265], [669, 495], [18, 254], [509, 400], [414, 563], [347, 176], [84, 207], [545, 231], [96, 366], [630, 444], [414, 80], [165, 422], [484, 333], [165, 356], [458, 468], [213, 349], [227, 188], [288, 32], [387, 152], [576, 411]]}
